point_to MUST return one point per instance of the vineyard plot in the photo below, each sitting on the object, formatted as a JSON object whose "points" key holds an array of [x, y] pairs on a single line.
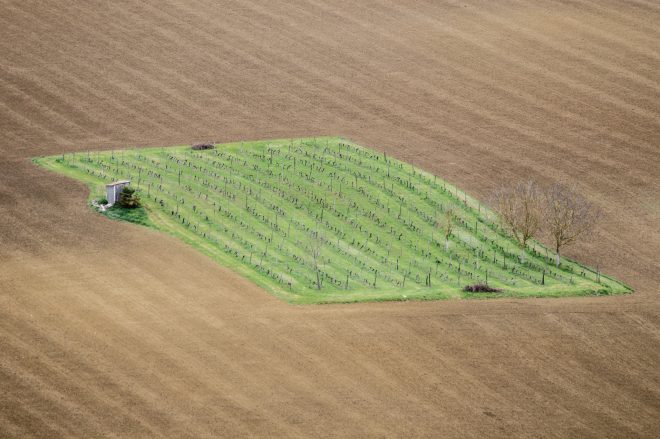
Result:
{"points": [[326, 220]]}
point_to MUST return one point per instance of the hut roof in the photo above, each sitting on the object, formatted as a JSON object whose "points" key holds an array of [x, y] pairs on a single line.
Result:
{"points": [[116, 183]]}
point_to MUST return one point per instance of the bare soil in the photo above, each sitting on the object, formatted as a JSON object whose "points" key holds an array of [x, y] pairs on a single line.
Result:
{"points": [[109, 329]]}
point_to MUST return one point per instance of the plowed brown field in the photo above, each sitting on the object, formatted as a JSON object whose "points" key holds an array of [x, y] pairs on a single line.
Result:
{"points": [[107, 329]]}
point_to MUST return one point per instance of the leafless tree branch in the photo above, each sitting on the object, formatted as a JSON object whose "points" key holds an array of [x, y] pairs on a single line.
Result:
{"points": [[520, 210], [568, 216]]}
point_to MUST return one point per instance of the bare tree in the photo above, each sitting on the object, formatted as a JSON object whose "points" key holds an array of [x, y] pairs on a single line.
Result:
{"points": [[568, 216], [316, 243], [520, 210]]}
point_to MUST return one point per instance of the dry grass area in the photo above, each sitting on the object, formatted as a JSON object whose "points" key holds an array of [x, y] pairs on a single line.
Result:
{"points": [[474, 91]]}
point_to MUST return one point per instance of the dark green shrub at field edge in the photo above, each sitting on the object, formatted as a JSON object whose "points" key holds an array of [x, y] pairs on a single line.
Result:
{"points": [[481, 288], [128, 198], [202, 146]]}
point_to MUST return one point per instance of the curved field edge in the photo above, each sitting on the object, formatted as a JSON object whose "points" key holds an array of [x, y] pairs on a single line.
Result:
{"points": [[162, 223], [160, 220]]}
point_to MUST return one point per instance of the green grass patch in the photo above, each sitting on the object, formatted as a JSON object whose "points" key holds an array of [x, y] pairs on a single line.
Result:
{"points": [[293, 214], [136, 215]]}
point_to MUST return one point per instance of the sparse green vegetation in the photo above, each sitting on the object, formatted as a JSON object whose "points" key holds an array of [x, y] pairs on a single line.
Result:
{"points": [[325, 220], [137, 215]]}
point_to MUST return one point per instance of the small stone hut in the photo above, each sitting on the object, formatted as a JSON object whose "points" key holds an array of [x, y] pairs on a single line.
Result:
{"points": [[113, 190]]}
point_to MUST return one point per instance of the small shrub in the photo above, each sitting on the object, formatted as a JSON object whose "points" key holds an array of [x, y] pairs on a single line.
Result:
{"points": [[128, 198], [203, 146], [481, 288], [103, 201]]}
